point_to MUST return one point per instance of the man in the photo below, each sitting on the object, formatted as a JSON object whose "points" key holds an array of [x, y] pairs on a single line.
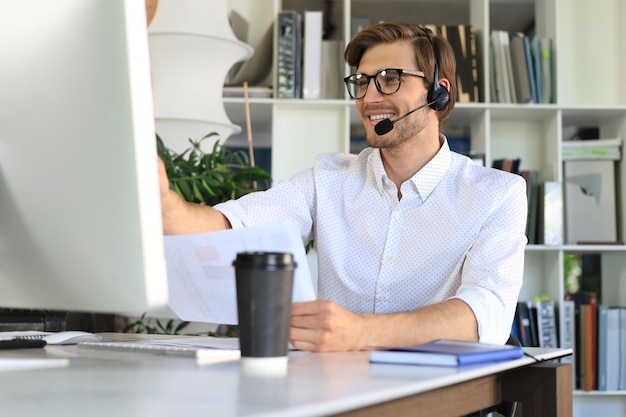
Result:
{"points": [[414, 242]]}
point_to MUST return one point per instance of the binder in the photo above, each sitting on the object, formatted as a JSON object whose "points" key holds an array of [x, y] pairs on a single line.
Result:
{"points": [[289, 55]]}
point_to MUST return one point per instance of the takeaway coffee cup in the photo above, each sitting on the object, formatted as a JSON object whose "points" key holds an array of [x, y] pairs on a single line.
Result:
{"points": [[264, 283]]}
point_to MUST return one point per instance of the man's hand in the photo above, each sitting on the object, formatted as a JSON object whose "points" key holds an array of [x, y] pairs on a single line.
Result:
{"points": [[164, 182], [168, 198], [323, 326], [181, 217]]}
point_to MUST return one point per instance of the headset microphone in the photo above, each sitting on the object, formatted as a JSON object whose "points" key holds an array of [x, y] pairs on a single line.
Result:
{"points": [[386, 125]]}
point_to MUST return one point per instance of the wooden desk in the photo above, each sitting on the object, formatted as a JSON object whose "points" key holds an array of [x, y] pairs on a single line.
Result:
{"points": [[107, 383]]}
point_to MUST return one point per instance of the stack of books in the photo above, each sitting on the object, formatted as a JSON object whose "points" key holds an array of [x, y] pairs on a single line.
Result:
{"points": [[591, 149], [523, 68]]}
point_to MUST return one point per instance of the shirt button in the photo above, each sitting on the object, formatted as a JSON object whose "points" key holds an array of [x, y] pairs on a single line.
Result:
{"points": [[388, 257], [380, 298]]}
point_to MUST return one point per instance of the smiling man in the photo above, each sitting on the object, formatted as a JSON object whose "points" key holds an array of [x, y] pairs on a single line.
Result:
{"points": [[414, 241]]}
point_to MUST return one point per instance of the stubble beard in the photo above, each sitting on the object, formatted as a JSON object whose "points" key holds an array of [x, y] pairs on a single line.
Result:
{"points": [[401, 132]]}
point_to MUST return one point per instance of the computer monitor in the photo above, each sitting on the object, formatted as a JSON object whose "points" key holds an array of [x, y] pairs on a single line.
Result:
{"points": [[80, 223]]}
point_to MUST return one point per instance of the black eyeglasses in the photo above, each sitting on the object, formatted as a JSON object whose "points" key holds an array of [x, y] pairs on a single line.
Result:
{"points": [[387, 81]]}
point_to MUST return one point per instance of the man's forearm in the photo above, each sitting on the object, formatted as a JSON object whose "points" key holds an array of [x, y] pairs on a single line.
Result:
{"points": [[452, 319], [181, 217]]}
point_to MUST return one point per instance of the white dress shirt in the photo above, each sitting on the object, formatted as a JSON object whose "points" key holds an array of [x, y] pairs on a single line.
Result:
{"points": [[458, 231]]}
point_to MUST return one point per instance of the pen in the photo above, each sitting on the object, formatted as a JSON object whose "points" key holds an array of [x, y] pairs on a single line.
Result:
{"points": [[16, 343]]}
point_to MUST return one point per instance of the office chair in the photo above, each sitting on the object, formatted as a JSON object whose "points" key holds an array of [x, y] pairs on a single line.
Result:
{"points": [[507, 408]]}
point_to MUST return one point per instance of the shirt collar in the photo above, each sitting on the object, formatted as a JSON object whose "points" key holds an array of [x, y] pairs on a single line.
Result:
{"points": [[426, 179]]}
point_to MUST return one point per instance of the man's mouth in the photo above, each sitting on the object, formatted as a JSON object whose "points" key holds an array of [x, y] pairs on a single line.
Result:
{"points": [[377, 117]]}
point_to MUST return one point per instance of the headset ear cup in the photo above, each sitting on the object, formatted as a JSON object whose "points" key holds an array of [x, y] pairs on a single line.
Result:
{"points": [[438, 97]]}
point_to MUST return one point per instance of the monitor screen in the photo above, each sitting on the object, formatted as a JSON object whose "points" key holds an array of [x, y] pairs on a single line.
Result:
{"points": [[80, 223]]}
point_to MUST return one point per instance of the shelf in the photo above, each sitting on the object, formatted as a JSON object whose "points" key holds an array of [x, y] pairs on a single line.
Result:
{"points": [[579, 393]]}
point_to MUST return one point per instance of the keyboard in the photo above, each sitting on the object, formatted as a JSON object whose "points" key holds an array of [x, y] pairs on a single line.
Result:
{"points": [[218, 349]]}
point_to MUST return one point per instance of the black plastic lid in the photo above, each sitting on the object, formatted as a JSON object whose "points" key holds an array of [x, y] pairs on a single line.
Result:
{"points": [[264, 260]]}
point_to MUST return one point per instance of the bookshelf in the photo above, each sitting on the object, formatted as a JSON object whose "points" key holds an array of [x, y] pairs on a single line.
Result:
{"points": [[590, 59]]}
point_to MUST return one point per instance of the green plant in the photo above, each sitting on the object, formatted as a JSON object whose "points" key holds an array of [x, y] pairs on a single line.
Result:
{"points": [[203, 178], [211, 178], [144, 325]]}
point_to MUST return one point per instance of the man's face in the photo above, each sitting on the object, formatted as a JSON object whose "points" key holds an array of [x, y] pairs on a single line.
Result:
{"points": [[376, 106]]}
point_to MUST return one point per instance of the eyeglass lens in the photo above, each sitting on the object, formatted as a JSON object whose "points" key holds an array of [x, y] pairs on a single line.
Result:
{"points": [[387, 81]]}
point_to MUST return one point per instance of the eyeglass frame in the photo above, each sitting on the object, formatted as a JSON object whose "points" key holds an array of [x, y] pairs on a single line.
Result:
{"points": [[400, 71]]}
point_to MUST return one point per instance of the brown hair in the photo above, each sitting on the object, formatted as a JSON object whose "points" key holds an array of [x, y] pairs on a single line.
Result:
{"points": [[425, 54]]}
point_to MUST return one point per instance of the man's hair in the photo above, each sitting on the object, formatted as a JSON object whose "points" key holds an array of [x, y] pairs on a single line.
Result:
{"points": [[424, 55]]}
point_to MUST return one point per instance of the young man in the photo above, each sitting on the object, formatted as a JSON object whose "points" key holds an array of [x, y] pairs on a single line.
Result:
{"points": [[414, 242]]}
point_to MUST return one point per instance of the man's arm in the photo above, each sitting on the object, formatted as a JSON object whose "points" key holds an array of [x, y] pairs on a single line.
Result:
{"points": [[182, 217], [323, 326]]}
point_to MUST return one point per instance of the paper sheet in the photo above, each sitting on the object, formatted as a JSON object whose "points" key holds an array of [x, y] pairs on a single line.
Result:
{"points": [[201, 276]]}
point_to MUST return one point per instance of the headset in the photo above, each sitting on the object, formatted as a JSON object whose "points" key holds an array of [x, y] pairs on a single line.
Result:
{"points": [[438, 96]]}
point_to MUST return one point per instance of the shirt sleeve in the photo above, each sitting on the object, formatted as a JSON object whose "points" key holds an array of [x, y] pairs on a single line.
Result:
{"points": [[494, 267], [290, 200]]}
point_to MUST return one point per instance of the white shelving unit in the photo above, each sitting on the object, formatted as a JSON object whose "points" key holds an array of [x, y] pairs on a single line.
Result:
{"points": [[590, 60]]}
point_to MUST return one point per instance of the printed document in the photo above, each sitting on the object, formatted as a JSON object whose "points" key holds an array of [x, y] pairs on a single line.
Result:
{"points": [[201, 275]]}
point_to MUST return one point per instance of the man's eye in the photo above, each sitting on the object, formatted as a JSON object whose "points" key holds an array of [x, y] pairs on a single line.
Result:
{"points": [[391, 79]]}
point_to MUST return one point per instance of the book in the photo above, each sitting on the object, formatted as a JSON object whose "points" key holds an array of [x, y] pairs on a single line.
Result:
{"points": [[444, 352], [520, 69], [546, 324], [602, 345], [532, 185], [289, 55], [531, 69], [579, 298], [499, 73], [515, 328], [532, 314], [567, 334], [312, 55], [522, 318], [536, 52], [591, 149], [511, 165], [622, 348], [506, 50], [473, 53], [589, 334], [608, 348], [550, 213], [547, 72]]}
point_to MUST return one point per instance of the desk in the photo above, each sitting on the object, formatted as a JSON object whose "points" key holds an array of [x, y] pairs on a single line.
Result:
{"points": [[108, 383]]}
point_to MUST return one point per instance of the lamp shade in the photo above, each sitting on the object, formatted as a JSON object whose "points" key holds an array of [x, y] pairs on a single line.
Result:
{"points": [[192, 48]]}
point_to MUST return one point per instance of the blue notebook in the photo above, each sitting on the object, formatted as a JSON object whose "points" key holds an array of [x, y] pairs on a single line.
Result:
{"points": [[445, 352]]}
